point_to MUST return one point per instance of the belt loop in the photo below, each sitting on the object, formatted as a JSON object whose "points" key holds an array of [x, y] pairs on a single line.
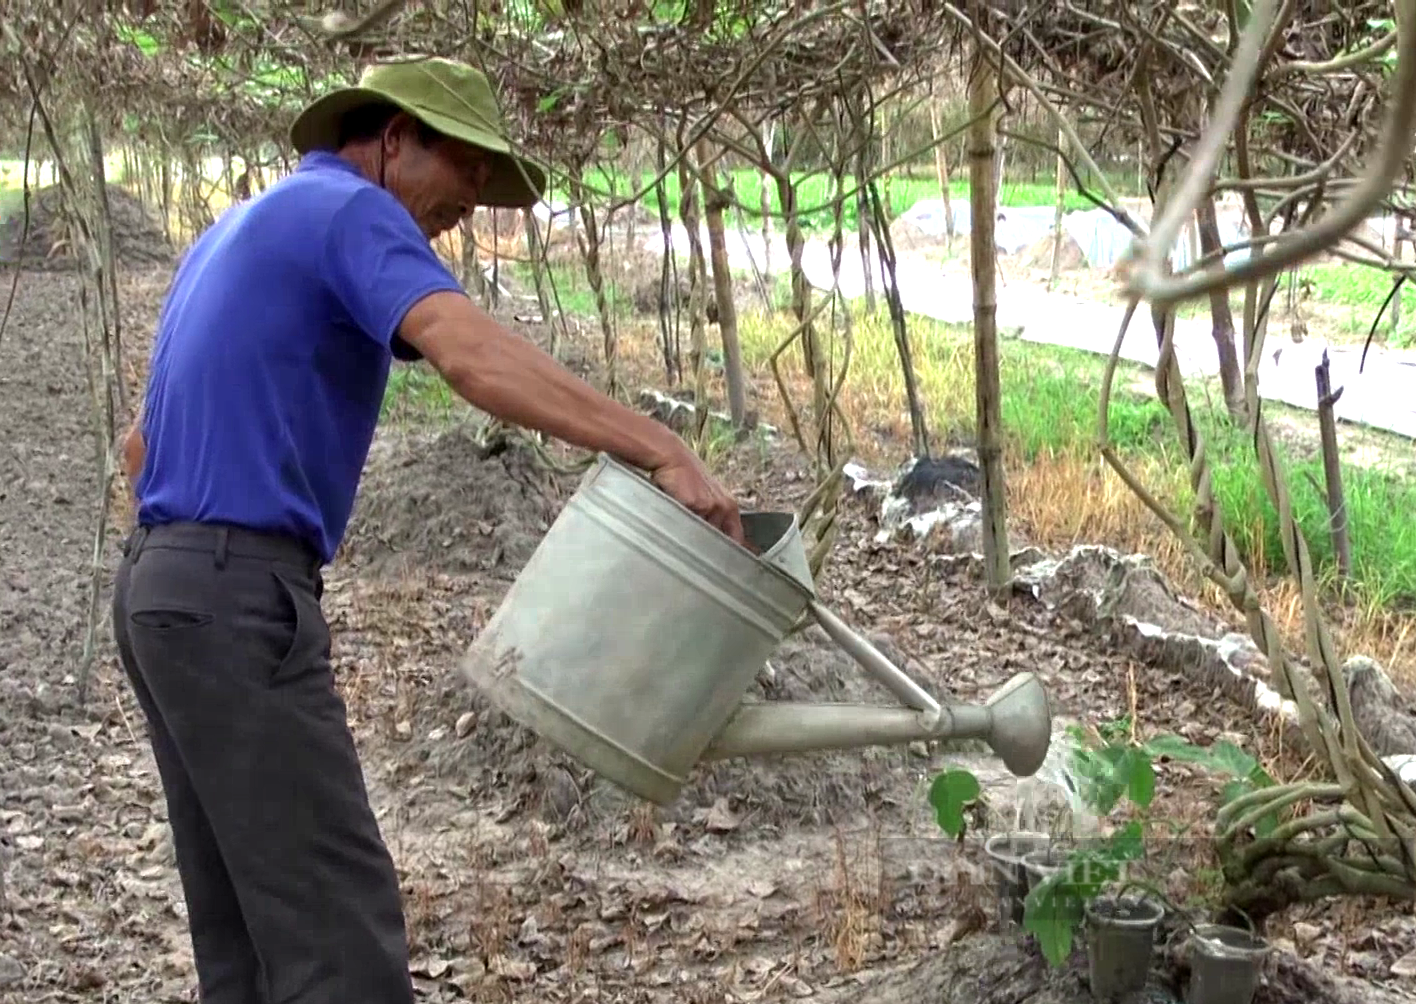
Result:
{"points": [[134, 546], [223, 536]]}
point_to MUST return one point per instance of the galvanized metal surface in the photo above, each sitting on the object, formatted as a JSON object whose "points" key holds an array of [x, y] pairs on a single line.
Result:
{"points": [[632, 634]]}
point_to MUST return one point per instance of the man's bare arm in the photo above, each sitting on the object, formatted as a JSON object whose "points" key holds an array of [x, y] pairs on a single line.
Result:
{"points": [[509, 377], [132, 451]]}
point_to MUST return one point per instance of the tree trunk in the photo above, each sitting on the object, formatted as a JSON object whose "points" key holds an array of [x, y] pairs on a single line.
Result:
{"points": [[769, 132], [897, 320], [591, 243], [941, 169], [714, 202], [1332, 469], [863, 226], [535, 248], [983, 197], [1057, 233], [668, 274], [1222, 318], [697, 281]]}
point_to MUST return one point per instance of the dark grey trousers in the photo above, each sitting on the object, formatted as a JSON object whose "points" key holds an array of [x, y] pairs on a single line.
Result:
{"points": [[292, 897]]}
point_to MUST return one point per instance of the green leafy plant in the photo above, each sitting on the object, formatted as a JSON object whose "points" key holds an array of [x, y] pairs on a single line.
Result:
{"points": [[1109, 768], [951, 793]]}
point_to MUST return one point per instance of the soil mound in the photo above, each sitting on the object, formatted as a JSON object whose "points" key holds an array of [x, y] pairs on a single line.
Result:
{"points": [[907, 235], [495, 754], [1039, 253], [437, 501], [138, 240]]}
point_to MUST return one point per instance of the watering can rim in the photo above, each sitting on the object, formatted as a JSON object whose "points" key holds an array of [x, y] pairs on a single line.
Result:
{"points": [[608, 461]]}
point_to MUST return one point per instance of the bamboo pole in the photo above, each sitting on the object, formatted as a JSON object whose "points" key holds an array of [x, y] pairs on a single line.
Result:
{"points": [[983, 196]]}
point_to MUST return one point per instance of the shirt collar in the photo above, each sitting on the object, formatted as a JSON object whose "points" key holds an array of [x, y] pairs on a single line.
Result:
{"points": [[324, 159]]}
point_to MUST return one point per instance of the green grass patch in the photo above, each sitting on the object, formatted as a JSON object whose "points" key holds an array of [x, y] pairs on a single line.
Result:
{"points": [[570, 288], [1051, 398], [1380, 531], [1363, 291], [815, 193], [416, 393]]}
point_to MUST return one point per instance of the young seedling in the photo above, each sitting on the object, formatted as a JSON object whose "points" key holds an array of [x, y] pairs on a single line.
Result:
{"points": [[1109, 770]]}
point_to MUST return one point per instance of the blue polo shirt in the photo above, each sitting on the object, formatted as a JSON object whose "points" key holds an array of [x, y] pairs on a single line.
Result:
{"points": [[272, 354]]}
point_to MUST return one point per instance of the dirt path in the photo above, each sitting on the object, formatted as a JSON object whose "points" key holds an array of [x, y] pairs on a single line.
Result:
{"points": [[525, 878]]}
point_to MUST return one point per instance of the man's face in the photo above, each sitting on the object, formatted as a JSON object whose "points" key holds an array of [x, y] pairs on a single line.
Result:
{"points": [[439, 184]]}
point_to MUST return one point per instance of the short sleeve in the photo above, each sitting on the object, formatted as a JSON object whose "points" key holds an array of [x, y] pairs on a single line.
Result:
{"points": [[378, 264]]}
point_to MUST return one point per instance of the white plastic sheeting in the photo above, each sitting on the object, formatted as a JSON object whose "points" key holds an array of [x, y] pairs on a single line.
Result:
{"points": [[1102, 239]]}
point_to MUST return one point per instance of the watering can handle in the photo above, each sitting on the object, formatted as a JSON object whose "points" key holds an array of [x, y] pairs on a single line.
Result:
{"points": [[870, 659]]}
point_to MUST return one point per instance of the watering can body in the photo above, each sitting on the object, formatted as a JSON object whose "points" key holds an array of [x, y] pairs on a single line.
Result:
{"points": [[634, 631]]}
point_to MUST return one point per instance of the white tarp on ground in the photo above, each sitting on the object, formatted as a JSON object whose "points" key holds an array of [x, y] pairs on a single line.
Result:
{"points": [[1102, 239]]}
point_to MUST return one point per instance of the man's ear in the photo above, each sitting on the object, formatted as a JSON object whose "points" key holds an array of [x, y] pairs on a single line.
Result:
{"points": [[401, 129]]}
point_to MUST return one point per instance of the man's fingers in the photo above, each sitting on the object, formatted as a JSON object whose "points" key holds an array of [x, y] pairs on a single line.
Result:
{"points": [[734, 528], [724, 517], [706, 499], [729, 520]]}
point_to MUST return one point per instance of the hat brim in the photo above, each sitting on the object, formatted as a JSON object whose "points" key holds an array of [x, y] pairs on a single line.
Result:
{"points": [[515, 182]]}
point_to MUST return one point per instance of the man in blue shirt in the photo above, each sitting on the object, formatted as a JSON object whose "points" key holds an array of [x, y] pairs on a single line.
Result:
{"points": [[268, 370]]}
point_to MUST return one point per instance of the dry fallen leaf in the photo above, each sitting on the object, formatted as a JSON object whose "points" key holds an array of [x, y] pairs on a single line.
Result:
{"points": [[761, 888], [720, 818], [512, 969], [1306, 934], [432, 967]]}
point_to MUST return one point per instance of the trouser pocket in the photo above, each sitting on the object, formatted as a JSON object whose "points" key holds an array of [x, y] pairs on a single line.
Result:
{"points": [[307, 650]]}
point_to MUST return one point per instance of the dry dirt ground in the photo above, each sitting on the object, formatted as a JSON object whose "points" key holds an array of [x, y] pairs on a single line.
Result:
{"points": [[525, 879]]}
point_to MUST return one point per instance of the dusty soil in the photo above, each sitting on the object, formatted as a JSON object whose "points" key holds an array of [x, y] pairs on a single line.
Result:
{"points": [[525, 879], [42, 241]]}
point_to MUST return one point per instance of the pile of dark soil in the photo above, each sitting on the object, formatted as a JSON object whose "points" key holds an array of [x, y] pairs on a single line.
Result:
{"points": [[435, 501], [45, 244]]}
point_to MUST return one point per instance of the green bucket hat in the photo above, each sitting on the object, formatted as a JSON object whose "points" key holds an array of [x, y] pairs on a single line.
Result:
{"points": [[448, 96]]}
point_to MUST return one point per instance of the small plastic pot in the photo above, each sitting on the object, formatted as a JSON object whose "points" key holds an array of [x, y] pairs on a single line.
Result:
{"points": [[1225, 965], [1005, 852], [1043, 863], [1120, 942]]}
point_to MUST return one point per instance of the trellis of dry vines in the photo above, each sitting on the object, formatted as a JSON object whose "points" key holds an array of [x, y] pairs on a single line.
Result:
{"points": [[1284, 95], [1354, 833], [715, 83]]}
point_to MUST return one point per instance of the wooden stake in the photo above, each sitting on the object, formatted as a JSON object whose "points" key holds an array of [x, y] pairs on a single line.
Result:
{"points": [[1332, 468], [983, 197]]}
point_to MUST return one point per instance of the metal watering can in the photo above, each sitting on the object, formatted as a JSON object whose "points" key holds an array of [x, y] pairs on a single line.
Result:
{"points": [[634, 631]]}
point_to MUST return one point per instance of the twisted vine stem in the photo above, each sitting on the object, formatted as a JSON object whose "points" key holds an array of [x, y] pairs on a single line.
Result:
{"points": [[1381, 810]]}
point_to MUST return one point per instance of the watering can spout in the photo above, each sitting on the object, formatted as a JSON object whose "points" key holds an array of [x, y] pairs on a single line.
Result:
{"points": [[1016, 723]]}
